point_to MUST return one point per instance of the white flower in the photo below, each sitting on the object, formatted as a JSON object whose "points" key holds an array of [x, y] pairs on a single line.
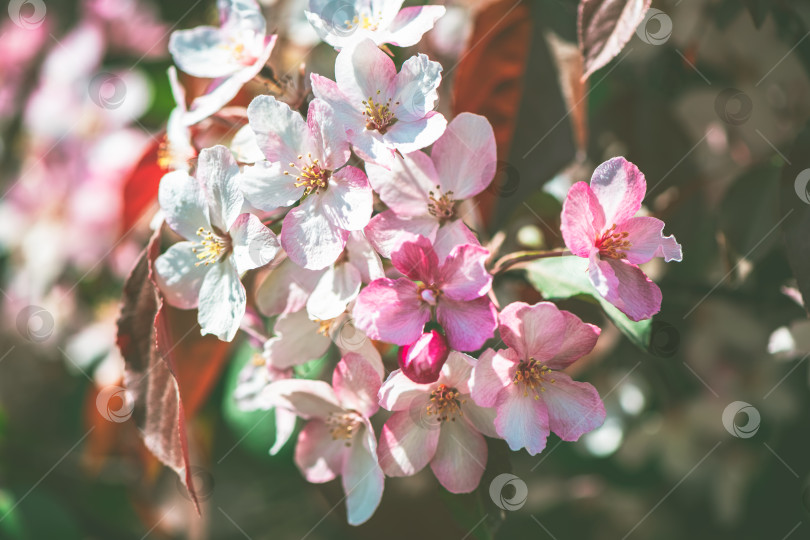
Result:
{"points": [[343, 23], [221, 243], [231, 54]]}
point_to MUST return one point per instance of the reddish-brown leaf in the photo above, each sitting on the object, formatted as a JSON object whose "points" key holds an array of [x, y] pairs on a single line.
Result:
{"points": [[141, 188], [605, 27], [489, 76]]}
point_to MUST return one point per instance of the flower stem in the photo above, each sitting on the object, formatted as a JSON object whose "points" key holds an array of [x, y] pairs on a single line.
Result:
{"points": [[510, 260]]}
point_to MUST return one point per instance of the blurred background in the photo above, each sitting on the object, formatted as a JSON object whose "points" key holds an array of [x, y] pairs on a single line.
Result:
{"points": [[708, 427]]}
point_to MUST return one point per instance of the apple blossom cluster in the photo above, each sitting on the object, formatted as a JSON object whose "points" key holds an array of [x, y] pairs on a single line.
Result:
{"points": [[345, 221]]}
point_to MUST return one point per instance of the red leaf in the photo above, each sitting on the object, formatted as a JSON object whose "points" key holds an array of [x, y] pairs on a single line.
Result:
{"points": [[141, 188], [605, 27], [489, 77]]}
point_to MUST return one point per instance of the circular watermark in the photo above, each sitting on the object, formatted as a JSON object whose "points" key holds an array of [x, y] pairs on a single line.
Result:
{"points": [[733, 106], [107, 90], [656, 28], [347, 336], [115, 404], [27, 14], [413, 98], [665, 340], [201, 480], [35, 323], [751, 426], [801, 186], [340, 18], [506, 180], [517, 500], [423, 416]]}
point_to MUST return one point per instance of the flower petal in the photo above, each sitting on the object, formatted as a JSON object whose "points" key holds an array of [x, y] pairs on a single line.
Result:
{"points": [[522, 421], [411, 23], [416, 259], [308, 399], [318, 456], [267, 187], [285, 427], [328, 134], [465, 156], [357, 384], [362, 256], [391, 311], [581, 220], [410, 136], [254, 245], [218, 171], [182, 199], [338, 286], [492, 375], [463, 275], [451, 234], [347, 202], [286, 289], [309, 238], [625, 286], [620, 188], [415, 88], [203, 52], [647, 240], [280, 132], [386, 231], [362, 477], [405, 446], [297, 341], [535, 331], [178, 275], [579, 339], [363, 72], [468, 324], [405, 187], [222, 301], [398, 392], [461, 457], [574, 408]]}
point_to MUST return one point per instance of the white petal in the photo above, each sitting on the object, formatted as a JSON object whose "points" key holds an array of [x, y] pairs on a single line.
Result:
{"points": [[254, 245], [297, 341], [338, 286], [178, 276], [217, 170], [222, 301], [182, 200]]}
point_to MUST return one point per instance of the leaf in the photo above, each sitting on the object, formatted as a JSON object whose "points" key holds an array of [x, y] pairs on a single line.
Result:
{"points": [[605, 27], [509, 76], [141, 187], [795, 211], [144, 339], [558, 278]]}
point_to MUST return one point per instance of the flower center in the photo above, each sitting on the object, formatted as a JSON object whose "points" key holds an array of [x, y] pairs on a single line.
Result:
{"points": [[366, 22], [445, 403], [379, 115], [613, 244], [212, 248], [236, 47], [532, 375], [310, 175], [442, 207], [324, 326], [343, 426], [429, 293]]}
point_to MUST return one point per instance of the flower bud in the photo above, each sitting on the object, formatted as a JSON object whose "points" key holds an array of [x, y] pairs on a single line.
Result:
{"points": [[422, 360]]}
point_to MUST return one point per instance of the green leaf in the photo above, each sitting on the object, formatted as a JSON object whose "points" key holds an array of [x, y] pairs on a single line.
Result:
{"points": [[558, 278]]}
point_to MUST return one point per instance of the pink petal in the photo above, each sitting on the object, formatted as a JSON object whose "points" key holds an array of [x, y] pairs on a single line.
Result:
{"points": [[581, 220], [457, 371], [347, 202], [362, 477], [318, 456], [580, 339], [309, 238], [574, 408], [254, 245], [625, 286], [297, 341], [465, 156], [535, 331], [416, 259], [411, 23], [461, 457], [306, 398], [481, 418], [620, 188], [405, 446], [362, 71], [492, 375], [522, 421], [647, 240], [286, 289], [328, 133], [410, 136], [468, 324], [415, 89], [451, 234], [362, 256], [398, 392], [356, 384], [391, 311], [405, 187], [463, 275], [386, 231]]}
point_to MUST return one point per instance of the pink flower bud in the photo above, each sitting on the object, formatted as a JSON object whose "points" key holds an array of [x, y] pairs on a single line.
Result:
{"points": [[422, 360]]}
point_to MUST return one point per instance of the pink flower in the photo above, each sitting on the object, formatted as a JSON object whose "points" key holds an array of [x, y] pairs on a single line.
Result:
{"points": [[598, 224], [524, 383], [436, 423], [424, 193], [302, 162], [381, 110], [454, 291], [338, 439], [422, 361], [346, 23], [231, 54]]}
